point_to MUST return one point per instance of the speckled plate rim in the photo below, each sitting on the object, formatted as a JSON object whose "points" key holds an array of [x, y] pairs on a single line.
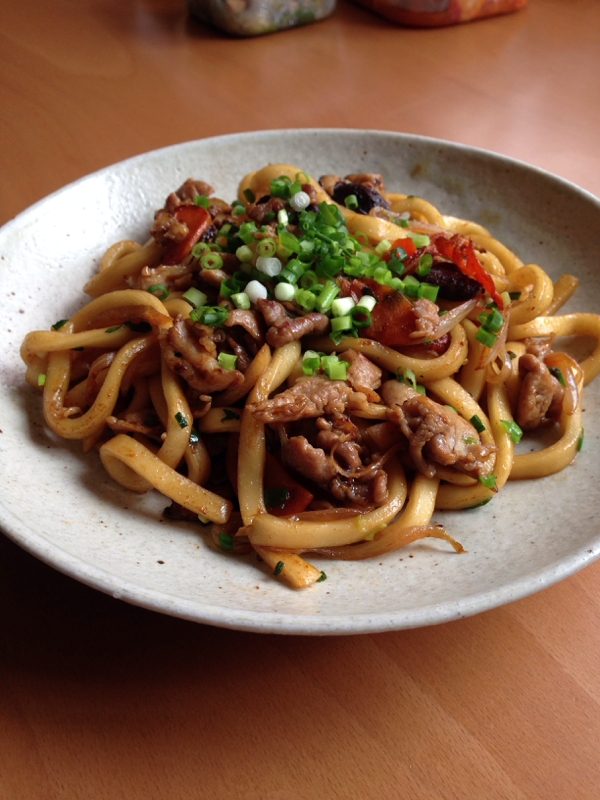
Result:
{"points": [[278, 622]]}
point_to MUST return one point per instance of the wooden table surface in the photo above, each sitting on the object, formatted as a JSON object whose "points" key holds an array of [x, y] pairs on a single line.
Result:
{"points": [[101, 699]]}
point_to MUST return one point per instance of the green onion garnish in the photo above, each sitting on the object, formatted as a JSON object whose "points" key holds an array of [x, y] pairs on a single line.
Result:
{"points": [[322, 578], [211, 260], [214, 316], [516, 434], [489, 481], [278, 568], [580, 440], [202, 200], [58, 325], [276, 497], [113, 328], [181, 420], [195, 297], [249, 195], [486, 338], [424, 266], [227, 360], [229, 414], [226, 541], [194, 436], [558, 375], [159, 290], [477, 423], [42, 379]]}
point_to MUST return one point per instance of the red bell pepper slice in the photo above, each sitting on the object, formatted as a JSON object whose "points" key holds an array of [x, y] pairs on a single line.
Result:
{"points": [[197, 219], [460, 251], [276, 477]]}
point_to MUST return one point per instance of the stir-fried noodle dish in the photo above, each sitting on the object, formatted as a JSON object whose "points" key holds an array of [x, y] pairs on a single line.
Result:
{"points": [[317, 367]]}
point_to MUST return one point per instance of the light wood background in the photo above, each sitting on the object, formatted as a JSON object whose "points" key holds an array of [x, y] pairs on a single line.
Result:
{"points": [[102, 700]]}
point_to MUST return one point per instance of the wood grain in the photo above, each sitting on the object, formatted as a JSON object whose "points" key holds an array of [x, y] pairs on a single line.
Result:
{"points": [[104, 700]]}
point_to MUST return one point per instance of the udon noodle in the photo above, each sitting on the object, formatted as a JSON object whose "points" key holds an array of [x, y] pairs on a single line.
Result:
{"points": [[316, 367]]}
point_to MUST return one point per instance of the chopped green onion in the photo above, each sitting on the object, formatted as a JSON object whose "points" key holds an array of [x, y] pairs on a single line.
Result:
{"points": [[342, 306], [361, 317], [428, 291], [241, 300], [514, 295], [306, 299], [489, 481], [269, 265], [256, 291], [420, 239], [424, 265], [327, 296], [41, 379], [227, 360], [367, 301], [226, 541], [383, 246], [282, 217], [159, 290], [266, 247], [211, 261], [558, 375], [299, 201], [244, 253], [195, 297], [194, 436], [113, 328], [58, 325], [199, 249], [322, 578], [486, 338], [337, 371], [351, 202], [276, 497], [278, 567], [181, 420], [214, 316], [341, 323], [516, 434], [477, 423], [202, 200], [491, 320], [249, 195], [285, 292], [229, 414], [580, 440]]}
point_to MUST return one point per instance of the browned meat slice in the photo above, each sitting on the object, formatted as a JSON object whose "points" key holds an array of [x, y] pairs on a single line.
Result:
{"points": [[312, 462], [248, 320], [186, 193], [427, 319], [263, 212], [284, 329], [541, 395], [338, 462], [194, 358], [436, 434], [373, 179], [175, 277], [363, 375], [167, 227], [308, 397]]}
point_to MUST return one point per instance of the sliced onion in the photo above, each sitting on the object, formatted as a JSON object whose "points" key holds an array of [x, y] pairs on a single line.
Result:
{"points": [[452, 318]]}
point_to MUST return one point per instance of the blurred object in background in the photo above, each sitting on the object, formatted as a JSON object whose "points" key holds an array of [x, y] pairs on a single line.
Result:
{"points": [[433, 13], [255, 17]]}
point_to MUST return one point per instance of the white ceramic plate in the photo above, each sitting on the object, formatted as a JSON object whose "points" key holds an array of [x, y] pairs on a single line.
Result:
{"points": [[60, 505]]}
